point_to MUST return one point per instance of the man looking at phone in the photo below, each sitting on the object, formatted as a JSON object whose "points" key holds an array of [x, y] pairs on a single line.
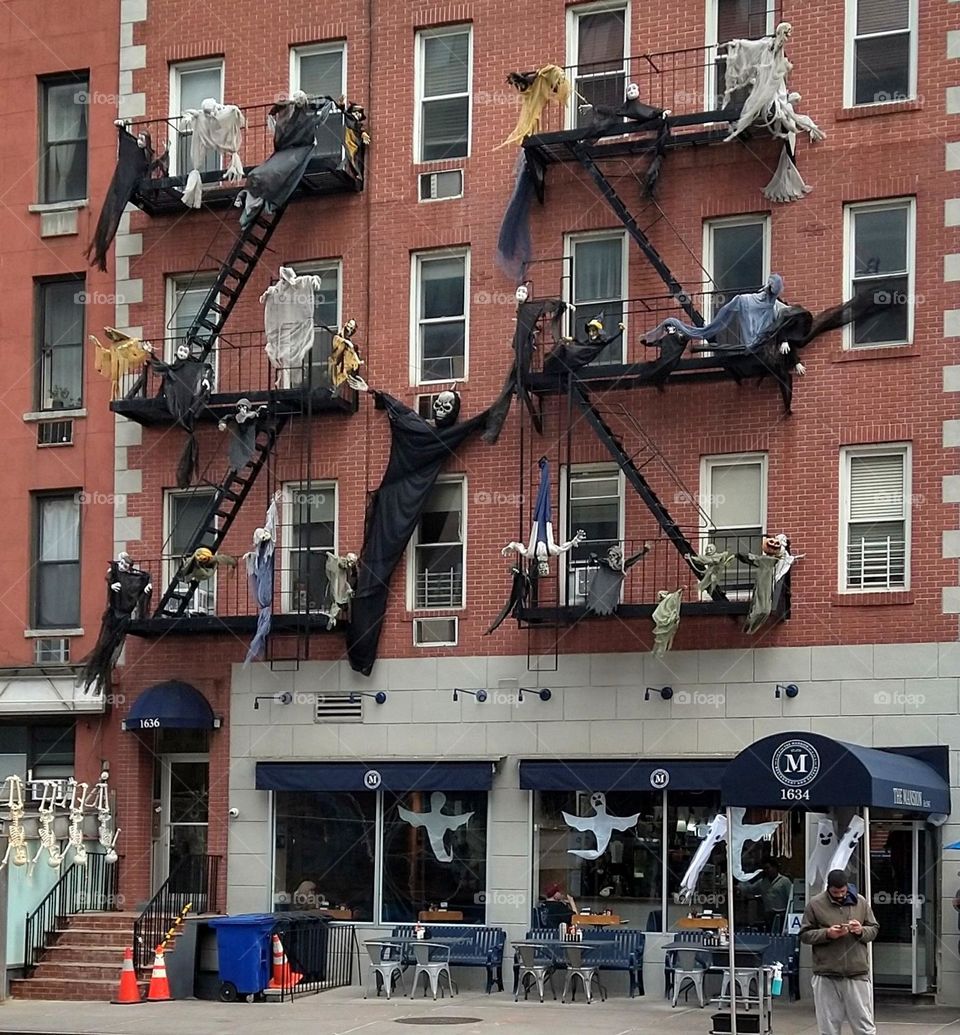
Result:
{"points": [[838, 924]]}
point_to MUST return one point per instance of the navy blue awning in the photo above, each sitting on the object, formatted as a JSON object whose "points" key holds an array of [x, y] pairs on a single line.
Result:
{"points": [[173, 705], [428, 775], [811, 770], [626, 774]]}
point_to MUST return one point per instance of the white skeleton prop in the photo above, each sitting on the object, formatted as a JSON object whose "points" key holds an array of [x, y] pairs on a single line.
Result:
{"points": [[601, 825], [716, 833], [49, 841], [847, 844], [75, 829], [16, 835], [542, 550], [106, 835]]}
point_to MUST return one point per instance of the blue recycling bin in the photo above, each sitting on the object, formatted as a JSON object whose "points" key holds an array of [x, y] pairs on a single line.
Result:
{"points": [[243, 953]]}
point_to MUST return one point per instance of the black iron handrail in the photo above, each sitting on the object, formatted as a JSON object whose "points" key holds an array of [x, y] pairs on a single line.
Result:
{"points": [[87, 888], [192, 883]]}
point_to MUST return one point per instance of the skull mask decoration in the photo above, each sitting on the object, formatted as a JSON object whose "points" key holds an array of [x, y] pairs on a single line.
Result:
{"points": [[349, 328], [615, 558], [633, 92], [522, 293], [446, 409], [183, 352]]}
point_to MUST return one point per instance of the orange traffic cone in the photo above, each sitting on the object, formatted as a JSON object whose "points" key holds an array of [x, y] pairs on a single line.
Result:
{"points": [[283, 976], [129, 990], [159, 990]]}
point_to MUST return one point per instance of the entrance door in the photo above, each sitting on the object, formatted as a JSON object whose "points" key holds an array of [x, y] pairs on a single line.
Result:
{"points": [[184, 797], [903, 872]]}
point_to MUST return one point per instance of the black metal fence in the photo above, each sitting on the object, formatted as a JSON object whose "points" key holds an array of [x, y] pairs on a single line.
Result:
{"points": [[193, 883], [87, 888], [320, 955]]}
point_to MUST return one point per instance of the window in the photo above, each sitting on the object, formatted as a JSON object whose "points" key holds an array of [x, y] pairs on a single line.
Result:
{"points": [[443, 76], [186, 514], [880, 263], [190, 85], [56, 591], [733, 501], [48, 750], [440, 312], [325, 851], [731, 20], [599, 279], [185, 299], [438, 549], [64, 102], [60, 306], [326, 314], [595, 504], [597, 43], [309, 534], [736, 257], [881, 53], [335, 849], [875, 497], [320, 71]]}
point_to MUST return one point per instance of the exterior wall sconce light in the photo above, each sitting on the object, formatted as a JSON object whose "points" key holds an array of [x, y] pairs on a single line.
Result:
{"points": [[666, 692], [788, 689], [480, 695], [284, 698], [380, 696], [544, 694]]}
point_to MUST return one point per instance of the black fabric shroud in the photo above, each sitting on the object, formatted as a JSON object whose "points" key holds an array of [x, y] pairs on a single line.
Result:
{"points": [[243, 442], [114, 625], [418, 452], [184, 394], [519, 594], [133, 163]]}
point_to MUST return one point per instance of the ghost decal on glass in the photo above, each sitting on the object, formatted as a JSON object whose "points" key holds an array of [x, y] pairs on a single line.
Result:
{"points": [[600, 824], [436, 823], [820, 853], [740, 834], [716, 832]]}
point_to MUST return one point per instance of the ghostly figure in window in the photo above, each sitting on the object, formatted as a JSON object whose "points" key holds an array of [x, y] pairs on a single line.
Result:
{"points": [[847, 844], [601, 824], [436, 823]]}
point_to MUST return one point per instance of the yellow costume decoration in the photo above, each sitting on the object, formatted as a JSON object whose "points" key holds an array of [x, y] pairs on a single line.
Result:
{"points": [[344, 360], [204, 562], [126, 355], [548, 84]]}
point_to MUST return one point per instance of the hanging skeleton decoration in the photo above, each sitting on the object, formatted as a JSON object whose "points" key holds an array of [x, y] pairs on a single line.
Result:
{"points": [[437, 824], [106, 834], [203, 564], [76, 808], [134, 157], [847, 844], [537, 90], [763, 67], [46, 814], [185, 387], [16, 835], [601, 824], [288, 310], [124, 355], [260, 563], [243, 426], [341, 585], [666, 620], [570, 354], [772, 566], [714, 563], [127, 588], [606, 583], [344, 361], [215, 129]]}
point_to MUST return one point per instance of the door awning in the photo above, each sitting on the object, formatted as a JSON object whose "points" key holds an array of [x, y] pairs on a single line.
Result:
{"points": [[421, 775], [626, 774], [173, 705], [811, 770]]}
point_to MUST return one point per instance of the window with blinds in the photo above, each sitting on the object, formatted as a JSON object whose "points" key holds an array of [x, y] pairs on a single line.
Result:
{"points": [[443, 93], [883, 48], [319, 71], [737, 20], [733, 504], [876, 522], [600, 60], [440, 287]]}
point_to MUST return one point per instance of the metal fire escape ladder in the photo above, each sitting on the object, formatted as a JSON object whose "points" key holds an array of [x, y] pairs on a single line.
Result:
{"points": [[227, 500], [613, 199]]}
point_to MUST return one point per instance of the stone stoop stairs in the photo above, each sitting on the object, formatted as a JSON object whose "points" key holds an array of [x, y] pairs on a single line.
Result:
{"points": [[84, 960]]}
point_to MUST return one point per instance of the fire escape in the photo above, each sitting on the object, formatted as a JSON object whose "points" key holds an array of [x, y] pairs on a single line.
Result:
{"points": [[186, 605]]}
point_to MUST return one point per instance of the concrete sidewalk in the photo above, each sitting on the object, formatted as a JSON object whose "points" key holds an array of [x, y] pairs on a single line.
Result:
{"points": [[344, 1012]]}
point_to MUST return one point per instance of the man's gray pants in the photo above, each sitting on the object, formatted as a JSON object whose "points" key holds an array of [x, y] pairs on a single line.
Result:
{"points": [[837, 999]]}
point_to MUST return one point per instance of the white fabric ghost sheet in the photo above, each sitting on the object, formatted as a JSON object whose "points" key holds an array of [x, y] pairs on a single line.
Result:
{"points": [[214, 129], [288, 318], [848, 843]]}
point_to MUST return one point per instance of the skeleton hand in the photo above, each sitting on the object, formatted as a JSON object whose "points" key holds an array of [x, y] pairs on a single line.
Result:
{"points": [[784, 348], [514, 548], [578, 538], [622, 325], [147, 347], [800, 370], [357, 383], [148, 589], [115, 586], [222, 426]]}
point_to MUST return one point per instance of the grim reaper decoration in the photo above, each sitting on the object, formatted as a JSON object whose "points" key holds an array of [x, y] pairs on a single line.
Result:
{"points": [[134, 156], [601, 824], [606, 583], [127, 588], [243, 426], [185, 387]]}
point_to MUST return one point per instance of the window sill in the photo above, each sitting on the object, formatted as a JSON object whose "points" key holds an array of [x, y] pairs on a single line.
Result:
{"points": [[877, 352], [441, 164], [38, 415], [35, 634], [58, 206], [883, 598], [866, 111]]}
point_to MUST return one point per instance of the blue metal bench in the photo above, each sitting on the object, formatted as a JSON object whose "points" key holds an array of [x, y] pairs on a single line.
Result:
{"points": [[475, 947], [625, 951]]}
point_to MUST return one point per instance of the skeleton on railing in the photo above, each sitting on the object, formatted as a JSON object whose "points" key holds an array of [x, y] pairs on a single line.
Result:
{"points": [[48, 838], [16, 835], [75, 830], [106, 834]]}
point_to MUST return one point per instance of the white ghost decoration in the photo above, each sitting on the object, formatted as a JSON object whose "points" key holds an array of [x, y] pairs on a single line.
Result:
{"points": [[716, 832], [821, 852], [601, 825], [848, 843], [436, 824], [743, 832]]}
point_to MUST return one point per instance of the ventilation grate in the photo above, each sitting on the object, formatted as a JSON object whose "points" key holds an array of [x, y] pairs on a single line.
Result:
{"points": [[55, 433], [338, 708]]}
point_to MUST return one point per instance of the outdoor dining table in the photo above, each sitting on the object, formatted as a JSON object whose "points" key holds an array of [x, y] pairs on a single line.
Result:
{"points": [[402, 941], [553, 947], [719, 957]]}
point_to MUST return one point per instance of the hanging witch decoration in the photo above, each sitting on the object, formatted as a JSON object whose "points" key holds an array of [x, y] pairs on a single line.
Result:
{"points": [[537, 90], [537, 552], [570, 354], [772, 564], [127, 588], [243, 426], [185, 386]]}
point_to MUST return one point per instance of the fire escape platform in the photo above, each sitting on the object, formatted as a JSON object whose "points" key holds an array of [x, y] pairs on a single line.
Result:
{"points": [[240, 624], [572, 614], [153, 412]]}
